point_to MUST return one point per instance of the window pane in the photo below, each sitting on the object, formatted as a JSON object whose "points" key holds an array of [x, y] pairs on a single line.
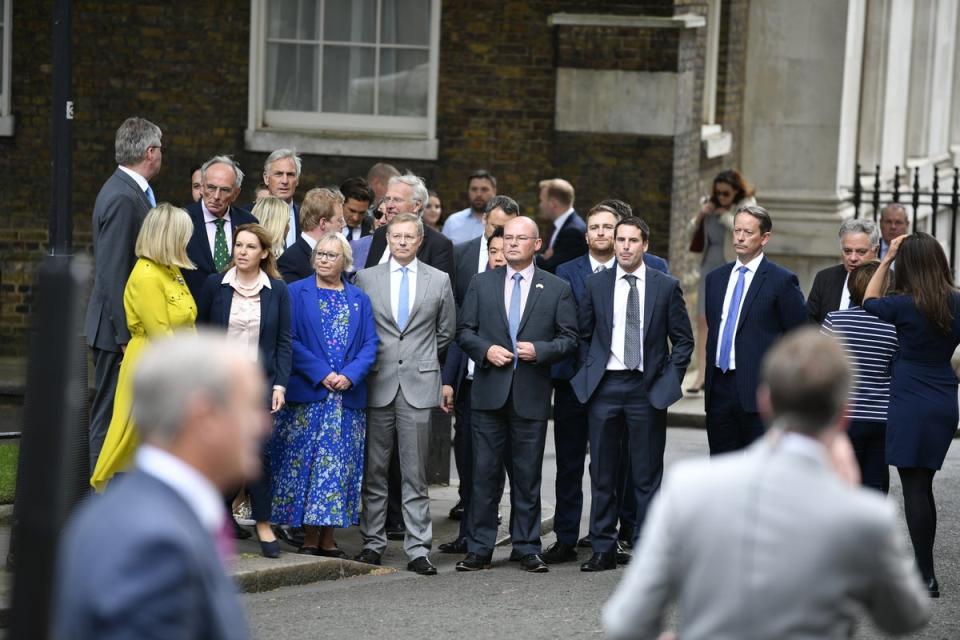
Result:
{"points": [[405, 22], [282, 19], [404, 82], [291, 77], [348, 80], [350, 20]]}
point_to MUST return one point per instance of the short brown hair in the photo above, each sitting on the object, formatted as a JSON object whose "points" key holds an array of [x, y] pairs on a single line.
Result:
{"points": [[860, 277], [318, 204], [268, 264], [559, 190]]}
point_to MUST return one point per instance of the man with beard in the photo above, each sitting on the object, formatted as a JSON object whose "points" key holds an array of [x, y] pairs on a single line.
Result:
{"points": [[464, 226]]}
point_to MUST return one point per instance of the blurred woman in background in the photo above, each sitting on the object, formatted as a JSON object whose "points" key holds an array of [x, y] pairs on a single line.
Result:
{"points": [[433, 211], [274, 216]]}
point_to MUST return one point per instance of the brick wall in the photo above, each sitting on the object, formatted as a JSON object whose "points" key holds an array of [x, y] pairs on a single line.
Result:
{"points": [[184, 66]]}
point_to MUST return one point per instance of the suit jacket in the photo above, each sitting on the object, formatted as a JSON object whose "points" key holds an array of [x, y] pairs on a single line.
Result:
{"points": [[198, 249], [454, 368], [294, 263], [548, 321], [118, 215], [213, 308], [366, 227], [767, 543], [826, 292], [410, 360], [436, 251], [311, 364], [772, 306], [664, 317], [466, 258], [160, 578], [571, 242]]}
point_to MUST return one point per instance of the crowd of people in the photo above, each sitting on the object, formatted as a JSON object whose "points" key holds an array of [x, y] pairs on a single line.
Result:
{"points": [[366, 310]]}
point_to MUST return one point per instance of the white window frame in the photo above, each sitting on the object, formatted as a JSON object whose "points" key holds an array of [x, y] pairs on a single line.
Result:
{"points": [[6, 47], [339, 133], [715, 141]]}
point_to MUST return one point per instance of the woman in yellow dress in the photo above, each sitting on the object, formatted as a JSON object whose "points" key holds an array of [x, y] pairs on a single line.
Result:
{"points": [[157, 302]]}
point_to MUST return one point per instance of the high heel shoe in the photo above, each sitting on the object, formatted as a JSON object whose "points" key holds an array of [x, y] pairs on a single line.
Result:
{"points": [[933, 588]]}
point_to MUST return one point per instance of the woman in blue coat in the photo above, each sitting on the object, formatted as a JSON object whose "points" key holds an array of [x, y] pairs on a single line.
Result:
{"points": [[922, 415], [250, 302], [317, 449]]}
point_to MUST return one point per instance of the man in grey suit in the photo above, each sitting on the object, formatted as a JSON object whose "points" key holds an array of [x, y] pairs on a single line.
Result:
{"points": [[771, 542], [515, 322], [147, 558], [118, 214], [416, 318]]}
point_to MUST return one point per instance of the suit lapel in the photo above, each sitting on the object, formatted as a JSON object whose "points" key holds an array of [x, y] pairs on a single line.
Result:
{"points": [[755, 286], [265, 296], [608, 284], [650, 291], [536, 287], [200, 234], [132, 184], [498, 285]]}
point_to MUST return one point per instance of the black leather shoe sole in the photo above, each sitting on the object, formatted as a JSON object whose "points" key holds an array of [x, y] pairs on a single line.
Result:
{"points": [[599, 562], [368, 557], [473, 564], [422, 566], [456, 546], [533, 564]]}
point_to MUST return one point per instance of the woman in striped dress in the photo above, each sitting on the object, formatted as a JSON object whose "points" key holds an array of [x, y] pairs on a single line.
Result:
{"points": [[871, 344]]}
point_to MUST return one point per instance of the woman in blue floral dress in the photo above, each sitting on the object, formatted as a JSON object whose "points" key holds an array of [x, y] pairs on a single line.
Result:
{"points": [[317, 449]]}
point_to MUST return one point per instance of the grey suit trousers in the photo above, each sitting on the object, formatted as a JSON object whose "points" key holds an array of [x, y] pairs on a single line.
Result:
{"points": [[106, 371], [412, 428]]}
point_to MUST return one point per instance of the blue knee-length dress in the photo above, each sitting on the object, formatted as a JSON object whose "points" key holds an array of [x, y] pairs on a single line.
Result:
{"points": [[923, 413], [317, 448]]}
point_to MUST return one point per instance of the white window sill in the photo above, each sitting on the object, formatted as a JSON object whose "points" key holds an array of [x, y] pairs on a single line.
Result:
{"points": [[357, 145], [714, 141], [6, 126]]}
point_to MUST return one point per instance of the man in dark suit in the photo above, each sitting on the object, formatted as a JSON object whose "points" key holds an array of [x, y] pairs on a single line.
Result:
{"points": [[471, 257], [629, 377], [118, 214], [565, 239], [320, 213], [514, 333], [281, 174], [750, 303], [214, 220], [357, 198], [198, 405], [408, 194], [894, 222], [859, 242]]}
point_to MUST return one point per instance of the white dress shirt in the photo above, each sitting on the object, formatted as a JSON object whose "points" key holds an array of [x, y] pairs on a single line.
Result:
{"points": [[484, 255], [292, 231], [192, 486], [731, 285], [557, 225], [596, 264], [621, 289], [209, 221], [139, 179], [395, 277], [527, 274], [309, 240], [845, 294]]}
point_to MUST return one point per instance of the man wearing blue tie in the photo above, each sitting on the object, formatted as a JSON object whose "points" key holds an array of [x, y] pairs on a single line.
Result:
{"points": [[750, 303]]}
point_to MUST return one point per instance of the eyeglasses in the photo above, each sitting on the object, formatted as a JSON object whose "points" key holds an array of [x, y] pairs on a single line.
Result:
{"points": [[403, 237], [326, 256], [518, 238], [394, 200], [214, 190], [156, 146]]}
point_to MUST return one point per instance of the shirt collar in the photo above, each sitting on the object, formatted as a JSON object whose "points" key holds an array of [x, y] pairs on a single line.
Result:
{"points": [[191, 485], [395, 266], [231, 276], [526, 272], [751, 266], [139, 179], [209, 217], [309, 240], [641, 272], [559, 221], [594, 263]]}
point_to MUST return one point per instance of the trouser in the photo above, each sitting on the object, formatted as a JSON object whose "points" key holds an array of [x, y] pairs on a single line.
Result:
{"points": [[729, 426], [869, 444], [106, 371]]}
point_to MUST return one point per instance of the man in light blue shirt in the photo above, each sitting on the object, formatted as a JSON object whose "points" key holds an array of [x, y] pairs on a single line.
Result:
{"points": [[465, 225]]}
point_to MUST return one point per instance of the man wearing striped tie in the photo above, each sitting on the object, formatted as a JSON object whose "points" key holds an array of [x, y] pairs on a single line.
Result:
{"points": [[415, 315], [750, 303]]}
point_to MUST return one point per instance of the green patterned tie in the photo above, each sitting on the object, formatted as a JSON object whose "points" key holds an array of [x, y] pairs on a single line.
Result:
{"points": [[220, 254]]}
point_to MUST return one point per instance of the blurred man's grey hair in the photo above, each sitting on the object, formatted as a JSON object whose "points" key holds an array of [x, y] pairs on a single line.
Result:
{"points": [[134, 137], [227, 160]]}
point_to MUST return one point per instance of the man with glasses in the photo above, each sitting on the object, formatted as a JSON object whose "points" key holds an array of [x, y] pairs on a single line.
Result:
{"points": [[118, 214], [415, 315], [214, 219], [515, 322]]}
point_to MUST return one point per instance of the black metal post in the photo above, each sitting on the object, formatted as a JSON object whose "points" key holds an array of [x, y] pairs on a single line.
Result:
{"points": [[933, 203], [857, 192], [876, 193], [896, 183], [61, 220], [954, 206], [916, 196]]}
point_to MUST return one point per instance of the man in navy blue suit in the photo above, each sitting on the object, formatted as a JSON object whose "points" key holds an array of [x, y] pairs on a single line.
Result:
{"points": [[565, 237], [628, 378], [750, 303], [214, 220]]}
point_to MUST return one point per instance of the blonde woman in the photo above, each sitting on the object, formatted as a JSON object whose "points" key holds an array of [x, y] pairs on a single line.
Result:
{"points": [[157, 302], [274, 216]]}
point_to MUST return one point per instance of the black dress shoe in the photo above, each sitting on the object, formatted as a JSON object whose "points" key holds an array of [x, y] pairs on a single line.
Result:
{"points": [[456, 512], [239, 532], [625, 537], [291, 535], [422, 566], [600, 562], [515, 555], [559, 552], [270, 549], [336, 552], [473, 562], [368, 556], [584, 542], [533, 563], [455, 546], [933, 588], [396, 532], [623, 556]]}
